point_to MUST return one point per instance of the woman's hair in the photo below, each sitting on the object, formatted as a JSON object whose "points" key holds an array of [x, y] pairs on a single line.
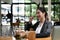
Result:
{"points": [[42, 9]]}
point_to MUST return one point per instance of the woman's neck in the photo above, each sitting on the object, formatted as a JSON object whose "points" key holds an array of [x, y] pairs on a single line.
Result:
{"points": [[42, 20]]}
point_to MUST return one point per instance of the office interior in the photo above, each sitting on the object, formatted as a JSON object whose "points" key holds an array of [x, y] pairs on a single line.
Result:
{"points": [[22, 10]]}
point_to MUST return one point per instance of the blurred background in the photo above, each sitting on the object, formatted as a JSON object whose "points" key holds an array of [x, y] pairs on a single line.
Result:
{"points": [[23, 9]]}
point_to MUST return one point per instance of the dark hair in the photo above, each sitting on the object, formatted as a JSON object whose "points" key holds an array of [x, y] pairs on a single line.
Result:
{"points": [[42, 9]]}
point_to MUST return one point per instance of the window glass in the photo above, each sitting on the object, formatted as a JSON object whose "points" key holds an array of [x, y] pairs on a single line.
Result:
{"points": [[4, 11], [27, 10]]}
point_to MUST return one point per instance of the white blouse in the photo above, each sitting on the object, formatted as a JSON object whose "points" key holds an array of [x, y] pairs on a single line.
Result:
{"points": [[38, 29]]}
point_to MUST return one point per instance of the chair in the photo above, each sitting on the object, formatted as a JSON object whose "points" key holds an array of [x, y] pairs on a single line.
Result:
{"points": [[15, 24]]}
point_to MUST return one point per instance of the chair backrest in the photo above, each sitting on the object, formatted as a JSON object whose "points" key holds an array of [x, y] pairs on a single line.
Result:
{"points": [[31, 35], [15, 24]]}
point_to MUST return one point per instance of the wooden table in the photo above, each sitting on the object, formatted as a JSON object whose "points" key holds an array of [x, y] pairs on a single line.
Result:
{"points": [[10, 38], [31, 36]]}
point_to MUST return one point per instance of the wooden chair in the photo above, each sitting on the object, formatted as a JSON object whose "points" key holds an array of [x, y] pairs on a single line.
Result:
{"points": [[15, 24], [31, 35]]}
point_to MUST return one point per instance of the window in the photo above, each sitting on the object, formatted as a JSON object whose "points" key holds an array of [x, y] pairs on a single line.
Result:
{"points": [[27, 1], [27, 10], [4, 11], [21, 9], [21, 1], [5, 21]]}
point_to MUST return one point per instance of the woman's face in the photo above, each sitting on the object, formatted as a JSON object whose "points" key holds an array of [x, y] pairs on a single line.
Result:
{"points": [[40, 14]]}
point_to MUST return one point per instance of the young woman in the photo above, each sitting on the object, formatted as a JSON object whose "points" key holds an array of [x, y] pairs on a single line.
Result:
{"points": [[43, 27]]}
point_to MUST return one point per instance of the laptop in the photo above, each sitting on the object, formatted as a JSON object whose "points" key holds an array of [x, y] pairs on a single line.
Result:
{"points": [[56, 33]]}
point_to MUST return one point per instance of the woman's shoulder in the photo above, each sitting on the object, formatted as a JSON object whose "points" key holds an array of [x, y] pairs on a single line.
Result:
{"points": [[48, 22]]}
